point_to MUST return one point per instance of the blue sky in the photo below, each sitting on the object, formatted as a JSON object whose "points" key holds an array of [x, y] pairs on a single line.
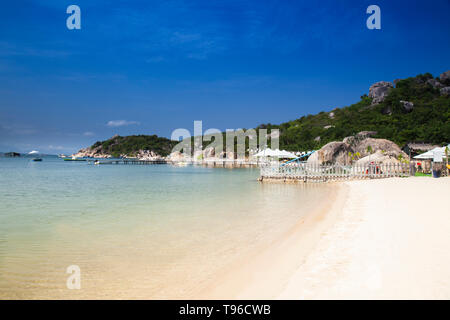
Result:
{"points": [[149, 67]]}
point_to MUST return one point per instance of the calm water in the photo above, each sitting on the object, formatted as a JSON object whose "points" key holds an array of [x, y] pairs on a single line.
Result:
{"points": [[135, 231]]}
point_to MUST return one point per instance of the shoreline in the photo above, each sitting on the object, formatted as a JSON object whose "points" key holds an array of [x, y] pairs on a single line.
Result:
{"points": [[373, 239], [390, 241], [268, 271]]}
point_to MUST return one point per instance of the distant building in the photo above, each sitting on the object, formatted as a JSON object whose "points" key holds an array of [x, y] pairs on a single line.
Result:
{"points": [[415, 148]]}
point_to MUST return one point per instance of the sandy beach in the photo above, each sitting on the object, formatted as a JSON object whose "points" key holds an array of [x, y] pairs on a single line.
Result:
{"points": [[391, 240], [374, 239]]}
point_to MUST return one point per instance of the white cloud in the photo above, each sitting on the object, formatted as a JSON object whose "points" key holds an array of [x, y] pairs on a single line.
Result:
{"points": [[88, 134], [121, 123]]}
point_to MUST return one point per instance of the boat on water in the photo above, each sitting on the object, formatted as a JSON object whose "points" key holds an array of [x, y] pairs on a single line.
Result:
{"points": [[37, 159]]}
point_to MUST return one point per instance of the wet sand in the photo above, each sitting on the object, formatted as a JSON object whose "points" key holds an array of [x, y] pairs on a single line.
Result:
{"points": [[266, 272]]}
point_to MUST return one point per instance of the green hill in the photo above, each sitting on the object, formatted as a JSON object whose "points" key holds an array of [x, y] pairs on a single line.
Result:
{"points": [[130, 145], [428, 121]]}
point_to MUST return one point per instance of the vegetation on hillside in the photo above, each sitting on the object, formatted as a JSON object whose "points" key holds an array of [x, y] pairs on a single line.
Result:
{"points": [[429, 121], [130, 145]]}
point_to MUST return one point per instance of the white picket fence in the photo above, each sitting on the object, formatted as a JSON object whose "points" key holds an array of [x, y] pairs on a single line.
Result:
{"points": [[311, 172]]}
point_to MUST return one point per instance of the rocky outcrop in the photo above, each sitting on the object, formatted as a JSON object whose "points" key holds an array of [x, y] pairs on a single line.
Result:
{"points": [[378, 91], [407, 106], [372, 145], [209, 152], [332, 153], [147, 155], [434, 83], [177, 156], [353, 140], [377, 157], [445, 78], [379, 150], [91, 153], [97, 153], [445, 91]]}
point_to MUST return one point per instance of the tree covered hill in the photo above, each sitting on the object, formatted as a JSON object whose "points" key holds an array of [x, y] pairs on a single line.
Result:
{"points": [[130, 145], [429, 119], [416, 109]]}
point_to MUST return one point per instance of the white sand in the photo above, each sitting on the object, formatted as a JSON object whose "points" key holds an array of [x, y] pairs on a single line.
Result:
{"points": [[264, 275], [390, 241]]}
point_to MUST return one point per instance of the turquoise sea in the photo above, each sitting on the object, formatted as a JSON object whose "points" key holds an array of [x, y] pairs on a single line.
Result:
{"points": [[135, 231]]}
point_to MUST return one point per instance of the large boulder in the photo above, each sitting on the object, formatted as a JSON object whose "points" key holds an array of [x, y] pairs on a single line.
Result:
{"points": [[372, 145], [407, 106], [353, 140], [378, 91], [434, 83], [209, 152], [445, 91], [332, 153], [91, 153], [445, 78], [148, 155], [378, 157], [383, 150], [177, 156]]}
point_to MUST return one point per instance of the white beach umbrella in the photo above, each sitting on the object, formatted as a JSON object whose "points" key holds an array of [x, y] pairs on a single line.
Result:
{"points": [[287, 154], [275, 153], [430, 154], [266, 153]]}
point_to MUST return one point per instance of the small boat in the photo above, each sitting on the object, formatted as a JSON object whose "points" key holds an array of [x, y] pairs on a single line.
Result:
{"points": [[37, 159]]}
